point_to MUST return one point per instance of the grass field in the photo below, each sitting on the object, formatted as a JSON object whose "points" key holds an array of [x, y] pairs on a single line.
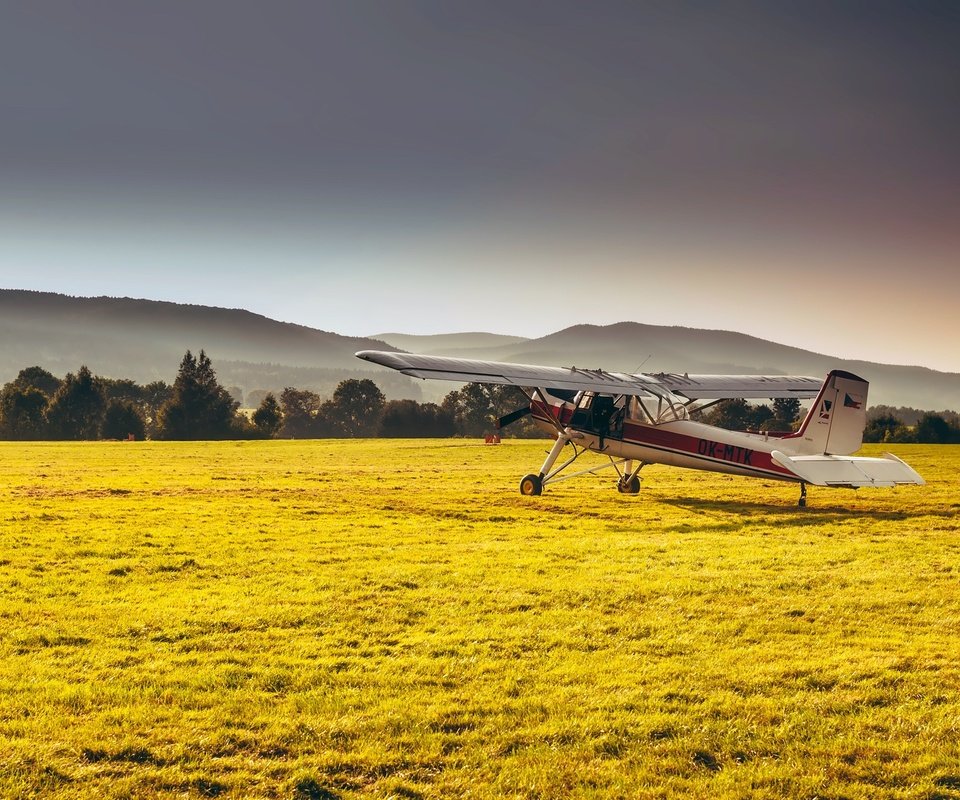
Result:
{"points": [[392, 619]]}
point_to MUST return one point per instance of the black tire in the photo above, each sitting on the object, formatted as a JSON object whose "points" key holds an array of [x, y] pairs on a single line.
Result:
{"points": [[531, 485], [802, 502], [630, 486]]}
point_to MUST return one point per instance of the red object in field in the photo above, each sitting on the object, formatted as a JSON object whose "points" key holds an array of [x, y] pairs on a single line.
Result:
{"points": [[491, 438]]}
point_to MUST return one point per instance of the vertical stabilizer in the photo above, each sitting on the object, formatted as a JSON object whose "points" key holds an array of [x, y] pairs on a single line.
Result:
{"points": [[835, 422]]}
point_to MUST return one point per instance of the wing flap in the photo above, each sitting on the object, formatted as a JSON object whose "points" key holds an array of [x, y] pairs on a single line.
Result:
{"points": [[723, 387], [851, 471]]}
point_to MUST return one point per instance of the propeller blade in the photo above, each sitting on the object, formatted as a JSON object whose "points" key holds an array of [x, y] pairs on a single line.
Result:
{"points": [[512, 417]]}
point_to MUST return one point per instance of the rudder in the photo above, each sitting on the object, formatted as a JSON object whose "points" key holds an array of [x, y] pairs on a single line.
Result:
{"points": [[834, 425]]}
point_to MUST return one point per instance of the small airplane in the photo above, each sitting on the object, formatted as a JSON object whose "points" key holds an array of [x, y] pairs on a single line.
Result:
{"points": [[647, 419]]}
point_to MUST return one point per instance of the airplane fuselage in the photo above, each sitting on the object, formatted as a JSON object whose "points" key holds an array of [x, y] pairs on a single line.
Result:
{"points": [[677, 443]]}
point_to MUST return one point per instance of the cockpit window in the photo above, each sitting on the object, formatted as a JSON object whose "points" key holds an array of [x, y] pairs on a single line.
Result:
{"points": [[655, 410]]}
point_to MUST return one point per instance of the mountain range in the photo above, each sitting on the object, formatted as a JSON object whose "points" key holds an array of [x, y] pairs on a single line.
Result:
{"points": [[145, 340]]}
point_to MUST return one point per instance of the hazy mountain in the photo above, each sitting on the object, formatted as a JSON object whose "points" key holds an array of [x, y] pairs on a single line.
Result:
{"points": [[145, 340], [449, 344], [634, 347]]}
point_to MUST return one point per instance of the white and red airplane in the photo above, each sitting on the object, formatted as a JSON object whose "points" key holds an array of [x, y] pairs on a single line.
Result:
{"points": [[646, 419]]}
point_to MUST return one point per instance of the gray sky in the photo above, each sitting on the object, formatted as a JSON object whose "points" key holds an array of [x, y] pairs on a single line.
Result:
{"points": [[787, 170]]}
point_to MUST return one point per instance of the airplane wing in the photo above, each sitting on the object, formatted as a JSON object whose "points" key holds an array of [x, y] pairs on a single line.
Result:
{"points": [[724, 387], [850, 471], [692, 387], [467, 370]]}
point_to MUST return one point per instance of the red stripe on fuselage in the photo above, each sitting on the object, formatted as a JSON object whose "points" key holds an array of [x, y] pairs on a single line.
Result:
{"points": [[703, 448]]}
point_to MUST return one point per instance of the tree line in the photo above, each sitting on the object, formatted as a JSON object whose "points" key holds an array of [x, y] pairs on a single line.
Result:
{"points": [[37, 405], [884, 423], [83, 406], [930, 428], [358, 409]]}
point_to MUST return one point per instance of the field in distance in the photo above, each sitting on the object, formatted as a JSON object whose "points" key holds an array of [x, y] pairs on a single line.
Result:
{"points": [[338, 619]]}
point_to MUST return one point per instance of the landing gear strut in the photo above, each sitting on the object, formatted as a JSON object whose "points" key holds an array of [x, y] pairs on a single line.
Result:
{"points": [[629, 482], [532, 485], [803, 495]]}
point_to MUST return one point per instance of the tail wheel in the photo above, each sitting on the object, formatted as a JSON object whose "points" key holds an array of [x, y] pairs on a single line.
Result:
{"points": [[629, 485], [531, 485]]}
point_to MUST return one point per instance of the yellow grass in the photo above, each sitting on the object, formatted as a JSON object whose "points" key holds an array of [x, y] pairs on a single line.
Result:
{"points": [[392, 619]]}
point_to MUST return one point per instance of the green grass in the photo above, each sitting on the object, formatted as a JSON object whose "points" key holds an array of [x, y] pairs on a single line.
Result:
{"points": [[392, 619]]}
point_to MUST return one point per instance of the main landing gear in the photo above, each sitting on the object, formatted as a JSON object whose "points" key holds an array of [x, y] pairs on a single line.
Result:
{"points": [[532, 485], [629, 482], [802, 502]]}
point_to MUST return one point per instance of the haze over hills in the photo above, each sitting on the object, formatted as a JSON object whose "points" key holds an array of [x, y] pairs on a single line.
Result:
{"points": [[449, 344], [145, 340], [634, 347]]}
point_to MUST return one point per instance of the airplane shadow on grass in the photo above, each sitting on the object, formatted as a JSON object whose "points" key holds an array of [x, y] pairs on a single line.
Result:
{"points": [[813, 513]]}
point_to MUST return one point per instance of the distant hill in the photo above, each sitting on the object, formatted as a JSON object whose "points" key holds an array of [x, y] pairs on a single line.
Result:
{"points": [[145, 340], [633, 347], [449, 344]]}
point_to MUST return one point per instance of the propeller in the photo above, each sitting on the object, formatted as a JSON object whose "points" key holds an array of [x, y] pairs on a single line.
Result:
{"points": [[513, 416]]}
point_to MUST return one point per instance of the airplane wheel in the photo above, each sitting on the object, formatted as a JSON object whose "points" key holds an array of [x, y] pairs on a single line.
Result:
{"points": [[802, 502], [531, 485], [632, 486]]}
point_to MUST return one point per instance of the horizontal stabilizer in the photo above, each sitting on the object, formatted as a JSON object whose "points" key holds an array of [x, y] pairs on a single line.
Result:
{"points": [[850, 471]]}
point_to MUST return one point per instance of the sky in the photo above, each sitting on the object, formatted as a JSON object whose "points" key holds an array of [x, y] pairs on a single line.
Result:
{"points": [[787, 170]]}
